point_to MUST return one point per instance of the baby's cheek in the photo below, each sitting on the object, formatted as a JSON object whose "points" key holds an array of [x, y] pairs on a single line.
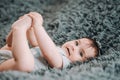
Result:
{"points": [[78, 58]]}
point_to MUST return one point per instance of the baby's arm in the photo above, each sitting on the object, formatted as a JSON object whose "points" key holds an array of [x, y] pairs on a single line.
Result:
{"points": [[45, 43]]}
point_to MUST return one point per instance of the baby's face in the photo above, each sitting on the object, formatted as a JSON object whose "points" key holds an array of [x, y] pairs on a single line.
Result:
{"points": [[79, 50]]}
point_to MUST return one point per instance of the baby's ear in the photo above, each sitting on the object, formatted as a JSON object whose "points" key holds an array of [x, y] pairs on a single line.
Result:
{"points": [[90, 58]]}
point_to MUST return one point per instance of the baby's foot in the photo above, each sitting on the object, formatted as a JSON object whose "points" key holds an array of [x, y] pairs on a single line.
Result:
{"points": [[23, 23], [36, 18]]}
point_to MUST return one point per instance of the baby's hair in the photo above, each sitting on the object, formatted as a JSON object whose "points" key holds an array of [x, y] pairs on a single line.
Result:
{"points": [[94, 44]]}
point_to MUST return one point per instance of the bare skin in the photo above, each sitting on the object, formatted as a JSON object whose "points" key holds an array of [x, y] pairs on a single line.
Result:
{"points": [[45, 43], [79, 50], [22, 47], [20, 50], [34, 32]]}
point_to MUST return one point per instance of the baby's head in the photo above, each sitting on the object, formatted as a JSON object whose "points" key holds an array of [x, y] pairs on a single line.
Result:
{"points": [[81, 49]]}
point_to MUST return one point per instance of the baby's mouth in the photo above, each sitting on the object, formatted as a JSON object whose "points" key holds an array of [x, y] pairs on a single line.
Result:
{"points": [[68, 51]]}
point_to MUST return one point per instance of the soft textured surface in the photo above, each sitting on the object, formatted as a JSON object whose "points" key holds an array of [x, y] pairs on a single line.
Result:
{"points": [[67, 20]]}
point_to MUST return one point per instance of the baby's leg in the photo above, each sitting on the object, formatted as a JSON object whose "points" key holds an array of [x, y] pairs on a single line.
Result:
{"points": [[21, 51], [31, 37], [9, 39], [23, 59], [8, 45]]}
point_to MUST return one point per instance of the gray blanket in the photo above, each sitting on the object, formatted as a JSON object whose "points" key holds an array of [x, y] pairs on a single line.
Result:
{"points": [[67, 20]]}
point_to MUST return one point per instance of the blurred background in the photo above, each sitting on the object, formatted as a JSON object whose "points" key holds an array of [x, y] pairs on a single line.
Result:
{"points": [[67, 20]]}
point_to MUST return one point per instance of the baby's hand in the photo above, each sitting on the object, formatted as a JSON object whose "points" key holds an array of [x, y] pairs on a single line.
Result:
{"points": [[37, 19], [23, 22]]}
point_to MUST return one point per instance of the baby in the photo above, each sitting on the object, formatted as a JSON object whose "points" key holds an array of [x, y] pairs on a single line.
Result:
{"points": [[44, 52]]}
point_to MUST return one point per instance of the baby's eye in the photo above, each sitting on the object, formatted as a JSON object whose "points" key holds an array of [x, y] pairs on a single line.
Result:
{"points": [[81, 54], [76, 43]]}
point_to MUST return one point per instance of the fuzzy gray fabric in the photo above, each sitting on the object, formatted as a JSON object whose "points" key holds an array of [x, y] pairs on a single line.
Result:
{"points": [[67, 20]]}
